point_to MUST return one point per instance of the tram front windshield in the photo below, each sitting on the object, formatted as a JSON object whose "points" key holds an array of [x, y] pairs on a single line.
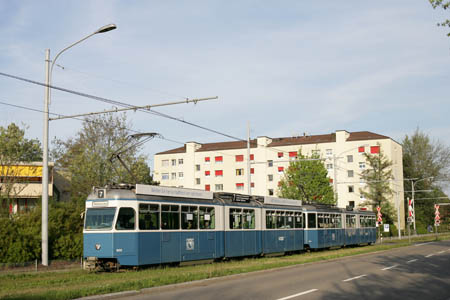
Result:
{"points": [[99, 218]]}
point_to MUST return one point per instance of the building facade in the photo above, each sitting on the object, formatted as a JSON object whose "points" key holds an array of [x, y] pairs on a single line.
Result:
{"points": [[21, 186], [227, 166]]}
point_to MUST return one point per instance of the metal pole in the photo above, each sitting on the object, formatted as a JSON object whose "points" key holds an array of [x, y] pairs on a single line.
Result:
{"points": [[413, 210], [45, 172], [398, 217], [249, 178], [334, 175]]}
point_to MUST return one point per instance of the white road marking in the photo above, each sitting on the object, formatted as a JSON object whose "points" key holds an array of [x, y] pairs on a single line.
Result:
{"points": [[299, 294], [353, 278], [412, 260], [429, 255], [387, 268], [440, 252], [423, 244]]}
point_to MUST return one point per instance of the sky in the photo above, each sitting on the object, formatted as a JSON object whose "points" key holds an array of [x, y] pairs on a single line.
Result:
{"points": [[283, 67]]}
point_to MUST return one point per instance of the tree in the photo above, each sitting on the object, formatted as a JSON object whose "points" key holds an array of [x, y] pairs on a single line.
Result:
{"points": [[15, 150], [444, 5], [87, 155], [423, 158], [306, 179], [378, 190]]}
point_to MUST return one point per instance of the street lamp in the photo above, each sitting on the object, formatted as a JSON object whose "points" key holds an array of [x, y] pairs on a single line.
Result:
{"points": [[48, 75]]}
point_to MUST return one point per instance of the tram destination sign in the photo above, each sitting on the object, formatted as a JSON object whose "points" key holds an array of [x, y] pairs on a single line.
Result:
{"points": [[143, 189], [282, 201]]}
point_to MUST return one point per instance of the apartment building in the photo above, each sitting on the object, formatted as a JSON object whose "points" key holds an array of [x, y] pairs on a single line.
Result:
{"points": [[224, 166]]}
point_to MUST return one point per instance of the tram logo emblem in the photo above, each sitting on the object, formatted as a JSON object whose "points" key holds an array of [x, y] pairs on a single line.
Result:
{"points": [[190, 244], [98, 246]]}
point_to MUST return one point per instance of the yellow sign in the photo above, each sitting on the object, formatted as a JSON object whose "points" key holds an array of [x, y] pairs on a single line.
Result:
{"points": [[21, 171]]}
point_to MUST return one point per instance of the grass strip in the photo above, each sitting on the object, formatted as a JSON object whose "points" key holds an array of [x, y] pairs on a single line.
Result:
{"points": [[78, 283]]}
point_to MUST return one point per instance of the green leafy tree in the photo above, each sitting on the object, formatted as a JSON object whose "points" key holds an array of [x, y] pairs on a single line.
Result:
{"points": [[87, 155], [15, 149], [306, 179], [378, 190], [445, 5], [423, 158]]}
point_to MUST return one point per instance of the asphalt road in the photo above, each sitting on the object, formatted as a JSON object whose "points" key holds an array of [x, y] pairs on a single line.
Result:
{"points": [[421, 271]]}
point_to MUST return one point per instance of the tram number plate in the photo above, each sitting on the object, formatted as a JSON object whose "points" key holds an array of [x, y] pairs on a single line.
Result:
{"points": [[190, 244]]}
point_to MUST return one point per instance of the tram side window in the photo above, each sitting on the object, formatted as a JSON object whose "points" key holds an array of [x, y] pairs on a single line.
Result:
{"points": [[249, 219], [311, 220], [289, 220], [189, 217], [281, 219], [337, 220], [372, 222], [298, 220], [270, 219], [362, 221], [235, 218], [350, 221], [148, 216], [207, 218], [170, 217], [126, 219]]}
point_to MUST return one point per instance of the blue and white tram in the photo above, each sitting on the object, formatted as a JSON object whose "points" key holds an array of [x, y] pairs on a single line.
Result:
{"points": [[135, 225], [144, 225], [328, 227]]}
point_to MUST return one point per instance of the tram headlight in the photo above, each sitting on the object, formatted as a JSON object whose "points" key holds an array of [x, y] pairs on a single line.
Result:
{"points": [[98, 246]]}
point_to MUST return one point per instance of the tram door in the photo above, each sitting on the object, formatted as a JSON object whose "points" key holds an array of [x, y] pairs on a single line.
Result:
{"points": [[170, 236]]}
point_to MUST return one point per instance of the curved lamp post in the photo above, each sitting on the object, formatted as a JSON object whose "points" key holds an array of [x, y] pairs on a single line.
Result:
{"points": [[48, 74]]}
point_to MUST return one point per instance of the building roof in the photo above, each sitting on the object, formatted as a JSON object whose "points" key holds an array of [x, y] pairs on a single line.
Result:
{"points": [[282, 141]]}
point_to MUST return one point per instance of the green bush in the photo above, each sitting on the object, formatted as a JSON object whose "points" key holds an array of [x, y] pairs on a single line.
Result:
{"points": [[20, 235]]}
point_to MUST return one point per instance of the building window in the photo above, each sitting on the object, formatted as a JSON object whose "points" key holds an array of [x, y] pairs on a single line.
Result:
{"points": [[362, 165], [218, 159], [252, 170], [349, 173], [270, 192], [207, 159], [361, 149], [239, 172], [329, 166], [351, 203], [174, 176], [197, 167], [252, 185], [207, 173], [362, 181], [280, 170], [240, 186], [180, 175], [361, 197], [165, 176], [350, 189], [207, 187], [252, 156], [270, 177], [349, 158], [239, 157], [375, 149], [329, 152], [270, 163], [218, 173], [165, 163], [280, 154], [219, 187], [180, 161], [197, 180], [331, 180], [315, 152], [174, 162]]}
